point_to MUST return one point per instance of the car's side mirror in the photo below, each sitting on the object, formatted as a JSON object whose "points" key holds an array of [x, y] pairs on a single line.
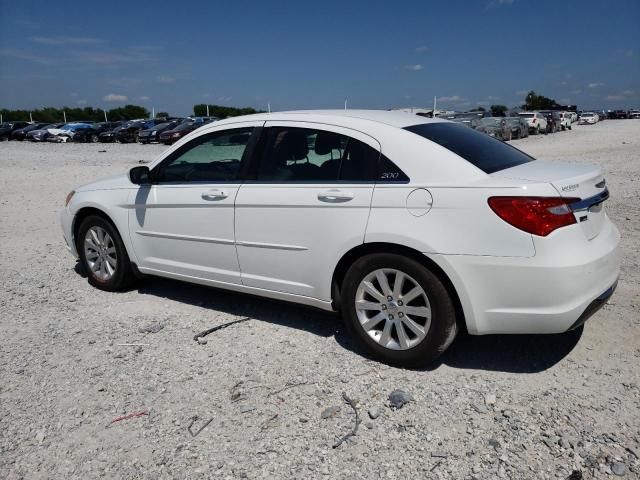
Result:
{"points": [[140, 175]]}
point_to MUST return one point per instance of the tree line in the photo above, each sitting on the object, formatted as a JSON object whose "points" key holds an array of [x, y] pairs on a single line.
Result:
{"points": [[128, 112]]}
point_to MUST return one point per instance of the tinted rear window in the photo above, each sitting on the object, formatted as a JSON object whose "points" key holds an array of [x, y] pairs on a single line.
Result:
{"points": [[486, 153]]}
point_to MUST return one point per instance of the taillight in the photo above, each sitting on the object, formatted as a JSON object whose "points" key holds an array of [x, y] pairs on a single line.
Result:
{"points": [[536, 215]]}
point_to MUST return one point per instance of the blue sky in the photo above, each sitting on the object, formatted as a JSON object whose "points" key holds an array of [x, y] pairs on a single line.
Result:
{"points": [[298, 54]]}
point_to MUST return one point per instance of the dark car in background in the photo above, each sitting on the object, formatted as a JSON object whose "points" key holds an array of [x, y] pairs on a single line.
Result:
{"points": [[496, 127], [7, 128], [129, 133], [88, 133], [168, 137], [21, 133], [519, 127], [41, 134], [153, 134]]}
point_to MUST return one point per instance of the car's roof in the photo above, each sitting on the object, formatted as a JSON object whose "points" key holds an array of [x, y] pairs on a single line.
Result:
{"points": [[391, 118]]}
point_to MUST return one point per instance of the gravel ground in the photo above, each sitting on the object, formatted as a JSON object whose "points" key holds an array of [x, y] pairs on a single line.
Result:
{"points": [[267, 392]]}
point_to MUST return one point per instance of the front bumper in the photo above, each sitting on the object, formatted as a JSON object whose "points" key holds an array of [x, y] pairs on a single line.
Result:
{"points": [[552, 292], [66, 222]]}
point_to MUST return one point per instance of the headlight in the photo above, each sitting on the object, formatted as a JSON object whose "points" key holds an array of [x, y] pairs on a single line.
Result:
{"points": [[69, 197]]}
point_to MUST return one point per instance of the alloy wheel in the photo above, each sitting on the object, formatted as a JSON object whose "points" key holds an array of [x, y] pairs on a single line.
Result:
{"points": [[100, 253], [393, 309]]}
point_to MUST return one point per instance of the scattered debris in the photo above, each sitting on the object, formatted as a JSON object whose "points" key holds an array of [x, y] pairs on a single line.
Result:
{"points": [[354, 431], [439, 454], [374, 412], [194, 419], [398, 398], [127, 417], [289, 385], [575, 475], [490, 399], [133, 344], [102, 151], [329, 412], [269, 422], [219, 327], [154, 327], [202, 340], [436, 466], [247, 409]]}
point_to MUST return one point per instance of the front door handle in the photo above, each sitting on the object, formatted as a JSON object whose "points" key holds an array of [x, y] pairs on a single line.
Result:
{"points": [[335, 195], [214, 195]]}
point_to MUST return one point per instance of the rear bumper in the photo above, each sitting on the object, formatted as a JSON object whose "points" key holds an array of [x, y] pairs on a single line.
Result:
{"points": [[558, 289]]}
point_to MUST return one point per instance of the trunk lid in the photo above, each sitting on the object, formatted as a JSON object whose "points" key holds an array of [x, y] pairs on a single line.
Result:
{"points": [[571, 180]]}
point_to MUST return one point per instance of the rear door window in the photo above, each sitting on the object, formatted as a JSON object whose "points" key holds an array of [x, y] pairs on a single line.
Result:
{"points": [[486, 153], [294, 155]]}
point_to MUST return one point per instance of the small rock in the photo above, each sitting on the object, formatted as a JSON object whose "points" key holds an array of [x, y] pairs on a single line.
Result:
{"points": [[303, 419], [19, 371], [154, 327], [329, 412], [374, 412], [398, 398], [40, 436], [369, 425], [495, 444], [490, 399], [549, 443], [138, 349], [618, 468], [202, 340]]}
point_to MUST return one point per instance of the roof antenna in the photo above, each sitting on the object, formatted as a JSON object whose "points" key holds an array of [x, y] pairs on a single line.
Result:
{"points": [[345, 103]]}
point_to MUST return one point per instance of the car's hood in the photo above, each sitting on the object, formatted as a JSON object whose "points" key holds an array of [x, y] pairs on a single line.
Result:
{"points": [[113, 182]]}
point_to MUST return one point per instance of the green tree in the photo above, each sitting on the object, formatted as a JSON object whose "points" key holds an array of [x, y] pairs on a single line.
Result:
{"points": [[162, 115], [498, 110], [534, 101]]}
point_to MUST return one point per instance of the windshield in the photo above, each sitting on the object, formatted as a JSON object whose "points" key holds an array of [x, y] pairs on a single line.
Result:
{"points": [[527, 115], [486, 153]]}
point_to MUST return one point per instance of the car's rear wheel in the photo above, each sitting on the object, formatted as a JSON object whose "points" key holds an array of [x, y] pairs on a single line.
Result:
{"points": [[93, 138], [103, 254], [398, 309]]}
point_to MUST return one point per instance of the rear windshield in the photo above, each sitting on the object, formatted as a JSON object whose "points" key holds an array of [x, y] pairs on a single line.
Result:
{"points": [[486, 153], [527, 115]]}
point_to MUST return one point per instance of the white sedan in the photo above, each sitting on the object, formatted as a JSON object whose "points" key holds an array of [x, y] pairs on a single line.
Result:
{"points": [[412, 228], [588, 118]]}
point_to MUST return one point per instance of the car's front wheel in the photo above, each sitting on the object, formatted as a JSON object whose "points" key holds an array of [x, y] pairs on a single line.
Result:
{"points": [[103, 255], [398, 309]]}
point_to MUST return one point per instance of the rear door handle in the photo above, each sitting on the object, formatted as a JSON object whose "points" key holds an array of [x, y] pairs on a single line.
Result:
{"points": [[335, 196], [215, 195]]}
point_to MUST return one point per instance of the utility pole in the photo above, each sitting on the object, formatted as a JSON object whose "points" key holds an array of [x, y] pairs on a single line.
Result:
{"points": [[207, 109], [64, 115], [269, 107], [30, 117], [345, 103], [435, 103], [105, 115]]}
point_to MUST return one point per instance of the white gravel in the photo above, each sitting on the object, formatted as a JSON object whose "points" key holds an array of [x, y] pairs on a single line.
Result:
{"points": [[493, 407]]}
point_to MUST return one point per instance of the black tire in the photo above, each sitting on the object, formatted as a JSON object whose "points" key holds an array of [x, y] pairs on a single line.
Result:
{"points": [[93, 138], [443, 327], [123, 276]]}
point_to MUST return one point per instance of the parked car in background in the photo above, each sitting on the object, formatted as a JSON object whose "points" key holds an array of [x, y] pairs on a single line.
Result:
{"points": [[574, 117], [65, 132], [471, 121], [21, 133], [536, 121], [169, 137], [331, 209], [553, 120], [41, 134], [619, 115], [88, 134], [7, 128], [635, 114], [153, 134], [565, 120], [519, 127], [588, 118], [495, 127]]}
